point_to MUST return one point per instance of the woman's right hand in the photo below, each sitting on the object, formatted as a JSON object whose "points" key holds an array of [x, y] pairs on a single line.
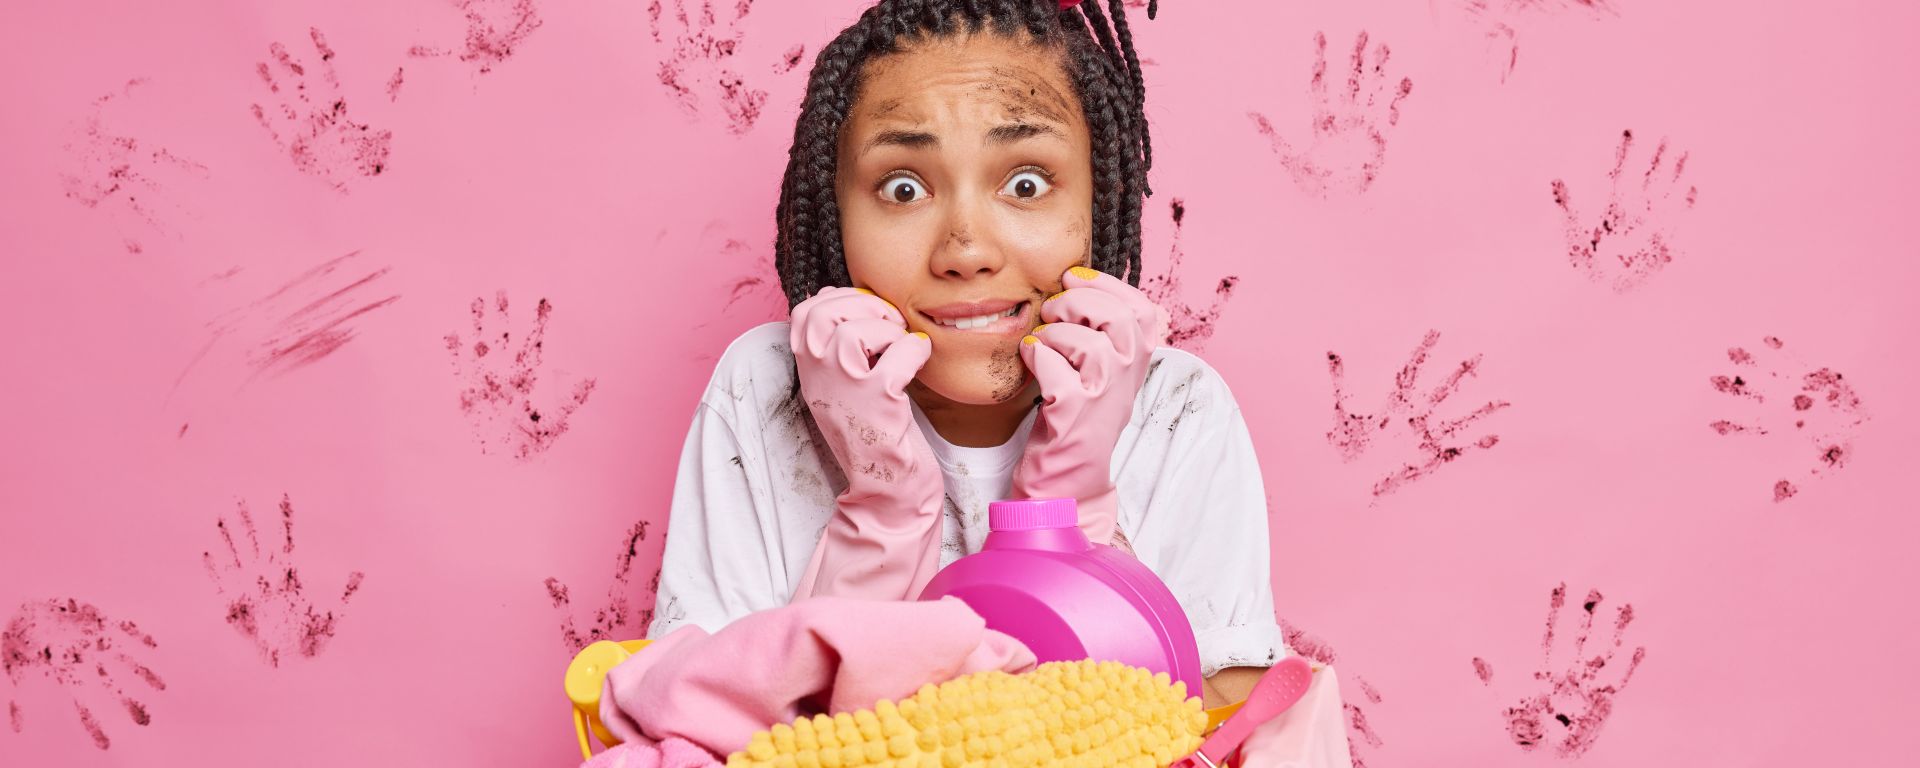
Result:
{"points": [[855, 358]]}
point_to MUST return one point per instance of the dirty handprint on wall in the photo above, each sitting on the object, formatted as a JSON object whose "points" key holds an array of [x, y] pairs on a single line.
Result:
{"points": [[266, 601], [616, 620], [1565, 706], [501, 393], [1349, 126], [1189, 326], [84, 652], [1424, 440], [699, 69], [1631, 240], [308, 119], [116, 171], [495, 30], [1785, 398]]}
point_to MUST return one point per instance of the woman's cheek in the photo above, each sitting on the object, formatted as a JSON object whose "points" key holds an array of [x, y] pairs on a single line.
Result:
{"points": [[884, 259]]}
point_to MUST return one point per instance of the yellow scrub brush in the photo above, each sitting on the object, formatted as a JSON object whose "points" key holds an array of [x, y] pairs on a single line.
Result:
{"points": [[1063, 713]]}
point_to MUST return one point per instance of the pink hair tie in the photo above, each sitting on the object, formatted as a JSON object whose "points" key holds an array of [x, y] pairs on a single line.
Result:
{"points": [[1065, 4]]}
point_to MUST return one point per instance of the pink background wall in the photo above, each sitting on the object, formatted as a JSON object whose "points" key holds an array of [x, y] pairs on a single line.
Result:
{"points": [[206, 310]]}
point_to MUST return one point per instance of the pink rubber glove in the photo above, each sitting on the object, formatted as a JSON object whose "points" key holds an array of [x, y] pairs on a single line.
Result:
{"points": [[855, 359], [1090, 359]]}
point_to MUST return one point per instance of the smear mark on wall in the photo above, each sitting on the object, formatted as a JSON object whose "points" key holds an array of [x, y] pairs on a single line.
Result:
{"points": [[1406, 426], [84, 653], [296, 324], [753, 293], [750, 295], [265, 600], [501, 393], [1788, 399], [1349, 126]]}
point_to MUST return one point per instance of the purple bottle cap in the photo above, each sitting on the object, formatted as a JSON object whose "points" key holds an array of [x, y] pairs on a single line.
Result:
{"points": [[1032, 514]]}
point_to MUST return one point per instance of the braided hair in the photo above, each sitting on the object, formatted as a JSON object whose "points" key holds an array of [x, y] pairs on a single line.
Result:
{"points": [[1098, 58]]}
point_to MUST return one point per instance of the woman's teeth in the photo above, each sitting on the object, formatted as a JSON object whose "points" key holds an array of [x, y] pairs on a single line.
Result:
{"points": [[982, 321]]}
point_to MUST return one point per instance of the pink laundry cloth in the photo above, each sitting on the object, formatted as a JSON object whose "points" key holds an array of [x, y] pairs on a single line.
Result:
{"points": [[824, 654], [672, 753], [1310, 734]]}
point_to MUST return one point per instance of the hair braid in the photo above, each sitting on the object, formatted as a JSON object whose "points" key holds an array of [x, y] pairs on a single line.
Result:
{"points": [[1133, 171], [1126, 49]]}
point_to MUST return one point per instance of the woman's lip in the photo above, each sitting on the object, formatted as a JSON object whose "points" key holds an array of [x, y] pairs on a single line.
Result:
{"points": [[1016, 324], [961, 310]]}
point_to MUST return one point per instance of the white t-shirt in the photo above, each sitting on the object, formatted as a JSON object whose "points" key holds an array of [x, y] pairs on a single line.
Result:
{"points": [[757, 485]]}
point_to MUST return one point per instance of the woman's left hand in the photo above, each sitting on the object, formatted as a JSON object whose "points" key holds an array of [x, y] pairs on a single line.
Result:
{"points": [[1090, 359]]}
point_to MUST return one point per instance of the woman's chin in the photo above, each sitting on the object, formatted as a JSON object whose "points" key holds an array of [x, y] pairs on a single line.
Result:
{"points": [[989, 382]]}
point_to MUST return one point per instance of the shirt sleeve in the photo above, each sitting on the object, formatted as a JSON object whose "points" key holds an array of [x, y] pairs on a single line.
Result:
{"points": [[1204, 530], [719, 558]]}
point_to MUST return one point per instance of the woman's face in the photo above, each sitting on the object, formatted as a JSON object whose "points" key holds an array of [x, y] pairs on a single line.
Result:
{"points": [[965, 187]]}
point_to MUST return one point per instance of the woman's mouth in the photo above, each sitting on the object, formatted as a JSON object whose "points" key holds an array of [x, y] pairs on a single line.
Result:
{"points": [[993, 318]]}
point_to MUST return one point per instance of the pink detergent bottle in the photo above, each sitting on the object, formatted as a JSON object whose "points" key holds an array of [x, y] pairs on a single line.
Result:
{"points": [[1039, 579]]}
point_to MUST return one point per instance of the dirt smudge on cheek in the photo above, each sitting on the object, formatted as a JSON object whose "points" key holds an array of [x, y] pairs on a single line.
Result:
{"points": [[1008, 372]]}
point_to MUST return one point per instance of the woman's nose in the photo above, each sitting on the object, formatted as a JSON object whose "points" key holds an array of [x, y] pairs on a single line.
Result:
{"points": [[969, 248]]}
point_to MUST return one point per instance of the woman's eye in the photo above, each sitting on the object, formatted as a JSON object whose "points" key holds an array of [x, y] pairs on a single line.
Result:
{"points": [[901, 190], [1028, 185]]}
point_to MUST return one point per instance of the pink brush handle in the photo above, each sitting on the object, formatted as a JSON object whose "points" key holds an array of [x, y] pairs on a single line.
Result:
{"points": [[1278, 688]]}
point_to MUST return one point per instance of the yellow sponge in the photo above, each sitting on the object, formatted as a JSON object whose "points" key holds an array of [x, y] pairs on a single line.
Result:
{"points": [[1063, 713]]}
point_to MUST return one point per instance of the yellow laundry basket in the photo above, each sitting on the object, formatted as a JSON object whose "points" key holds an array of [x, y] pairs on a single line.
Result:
{"points": [[588, 673]]}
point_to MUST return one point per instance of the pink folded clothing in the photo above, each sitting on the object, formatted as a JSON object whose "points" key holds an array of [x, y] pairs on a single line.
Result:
{"points": [[672, 753], [820, 655]]}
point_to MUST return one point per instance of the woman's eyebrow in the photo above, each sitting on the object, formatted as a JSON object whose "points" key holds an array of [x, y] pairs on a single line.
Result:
{"points": [[900, 138], [1009, 133], [1003, 134]]}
